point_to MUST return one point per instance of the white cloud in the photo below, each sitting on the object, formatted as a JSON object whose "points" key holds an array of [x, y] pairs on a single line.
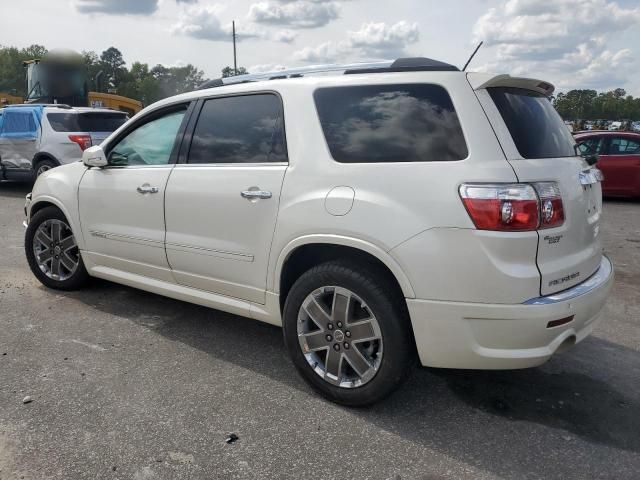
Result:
{"points": [[567, 39], [372, 40], [117, 7], [203, 22], [265, 67], [379, 39], [294, 14], [284, 36]]}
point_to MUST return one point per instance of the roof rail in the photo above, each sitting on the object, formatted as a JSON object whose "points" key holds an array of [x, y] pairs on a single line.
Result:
{"points": [[59, 105], [415, 64]]}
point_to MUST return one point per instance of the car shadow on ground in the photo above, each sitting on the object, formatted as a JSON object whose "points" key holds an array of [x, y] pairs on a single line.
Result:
{"points": [[559, 395]]}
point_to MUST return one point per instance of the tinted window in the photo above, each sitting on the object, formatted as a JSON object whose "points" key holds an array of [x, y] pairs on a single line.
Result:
{"points": [[86, 122], [149, 144], [535, 126], [243, 129], [19, 122], [390, 123], [624, 146]]}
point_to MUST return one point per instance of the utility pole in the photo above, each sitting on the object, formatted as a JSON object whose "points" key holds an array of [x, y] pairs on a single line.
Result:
{"points": [[235, 61]]}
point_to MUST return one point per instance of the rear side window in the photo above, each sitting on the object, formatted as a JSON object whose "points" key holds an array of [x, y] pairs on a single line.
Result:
{"points": [[86, 122], [535, 126], [390, 123], [624, 146], [242, 129]]}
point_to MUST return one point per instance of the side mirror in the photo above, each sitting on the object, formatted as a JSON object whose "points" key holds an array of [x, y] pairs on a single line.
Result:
{"points": [[94, 157]]}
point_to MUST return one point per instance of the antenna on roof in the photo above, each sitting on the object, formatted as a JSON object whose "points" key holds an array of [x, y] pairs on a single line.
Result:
{"points": [[471, 57]]}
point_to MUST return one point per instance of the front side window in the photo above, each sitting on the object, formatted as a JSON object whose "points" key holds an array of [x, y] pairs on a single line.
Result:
{"points": [[149, 144], [624, 146], [591, 146], [535, 127], [390, 123], [242, 129]]}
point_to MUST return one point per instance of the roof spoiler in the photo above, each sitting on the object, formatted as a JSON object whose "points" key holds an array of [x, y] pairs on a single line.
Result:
{"points": [[484, 80]]}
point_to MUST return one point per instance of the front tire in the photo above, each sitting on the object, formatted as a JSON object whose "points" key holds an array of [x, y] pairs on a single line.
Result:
{"points": [[347, 333], [52, 252]]}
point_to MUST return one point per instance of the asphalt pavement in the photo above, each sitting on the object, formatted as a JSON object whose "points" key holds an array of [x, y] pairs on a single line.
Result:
{"points": [[129, 385]]}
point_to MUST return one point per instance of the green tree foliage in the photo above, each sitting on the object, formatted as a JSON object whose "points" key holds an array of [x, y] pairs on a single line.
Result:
{"points": [[228, 72], [106, 72], [591, 105], [13, 78]]}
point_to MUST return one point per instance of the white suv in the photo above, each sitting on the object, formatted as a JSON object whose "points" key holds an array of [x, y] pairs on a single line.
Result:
{"points": [[375, 211], [35, 138]]}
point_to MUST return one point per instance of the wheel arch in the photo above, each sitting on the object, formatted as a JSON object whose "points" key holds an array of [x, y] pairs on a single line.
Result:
{"points": [[43, 201], [41, 156], [303, 253]]}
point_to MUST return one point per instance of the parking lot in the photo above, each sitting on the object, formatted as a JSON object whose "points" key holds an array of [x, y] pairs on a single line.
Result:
{"points": [[130, 385]]}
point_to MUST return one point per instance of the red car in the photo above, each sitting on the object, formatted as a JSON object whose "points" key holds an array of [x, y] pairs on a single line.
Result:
{"points": [[619, 160]]}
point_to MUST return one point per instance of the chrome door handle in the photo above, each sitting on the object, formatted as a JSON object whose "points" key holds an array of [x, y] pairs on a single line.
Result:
{"points": [[255, 194], [147, 189]]}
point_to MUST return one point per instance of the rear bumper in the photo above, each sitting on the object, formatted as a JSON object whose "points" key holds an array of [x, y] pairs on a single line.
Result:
{"points": [[501, 336]]}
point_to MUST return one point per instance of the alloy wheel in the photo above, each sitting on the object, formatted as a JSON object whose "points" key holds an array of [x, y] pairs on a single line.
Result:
{"points": [[339, 336], [55, 250]]}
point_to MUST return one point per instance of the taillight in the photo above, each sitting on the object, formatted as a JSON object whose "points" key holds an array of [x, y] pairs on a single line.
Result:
{"points": [[513, 207], [83, 140], [551, 208]]}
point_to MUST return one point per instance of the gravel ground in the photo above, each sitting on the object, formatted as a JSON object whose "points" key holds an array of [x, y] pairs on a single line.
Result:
{"points": [[129, 385]]}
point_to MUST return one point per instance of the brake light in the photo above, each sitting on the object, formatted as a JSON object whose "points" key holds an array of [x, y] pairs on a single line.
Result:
{"points": [[551, 208], [513, 207], [83, 140]]}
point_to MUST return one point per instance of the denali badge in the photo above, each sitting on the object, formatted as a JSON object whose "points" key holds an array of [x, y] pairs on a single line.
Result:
{"points": [[552, 238]]}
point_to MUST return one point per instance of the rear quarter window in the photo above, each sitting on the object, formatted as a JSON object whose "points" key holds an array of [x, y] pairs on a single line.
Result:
{"points": [[535, 127], [390, 123]]}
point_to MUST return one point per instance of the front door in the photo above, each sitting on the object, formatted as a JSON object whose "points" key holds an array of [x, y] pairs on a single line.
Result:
{"points": [[122, 205], [222, 201]]}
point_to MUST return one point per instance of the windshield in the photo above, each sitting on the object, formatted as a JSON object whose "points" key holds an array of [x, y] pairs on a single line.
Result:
{"points": [[535, 126], [86, 122]]}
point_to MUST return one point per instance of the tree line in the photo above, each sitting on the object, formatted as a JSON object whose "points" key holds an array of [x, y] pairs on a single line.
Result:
{"points": [[108, 72], [591, 105]]}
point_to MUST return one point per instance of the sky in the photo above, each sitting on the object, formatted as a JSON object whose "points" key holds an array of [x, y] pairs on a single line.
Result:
{"points": [[570, 43]]}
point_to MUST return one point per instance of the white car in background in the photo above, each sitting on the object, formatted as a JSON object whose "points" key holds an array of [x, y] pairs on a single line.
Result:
{"points": [[35, 138], [614, 126], [375, 211]]}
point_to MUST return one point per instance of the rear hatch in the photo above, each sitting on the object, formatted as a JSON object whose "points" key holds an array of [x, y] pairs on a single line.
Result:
{"points": [[97, 124], [540, 148]]}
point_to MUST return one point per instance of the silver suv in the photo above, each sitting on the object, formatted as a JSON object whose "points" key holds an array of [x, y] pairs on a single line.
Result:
{"points": [[36, 138]]}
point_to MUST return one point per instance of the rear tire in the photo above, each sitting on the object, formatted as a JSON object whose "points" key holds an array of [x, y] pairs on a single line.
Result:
{"points": [[359, 319], [52, 252], [43, 166]]}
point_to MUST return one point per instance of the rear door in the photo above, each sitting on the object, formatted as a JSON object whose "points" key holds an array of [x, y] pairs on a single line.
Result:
{"points": [[222, 198], [541, 149]]}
